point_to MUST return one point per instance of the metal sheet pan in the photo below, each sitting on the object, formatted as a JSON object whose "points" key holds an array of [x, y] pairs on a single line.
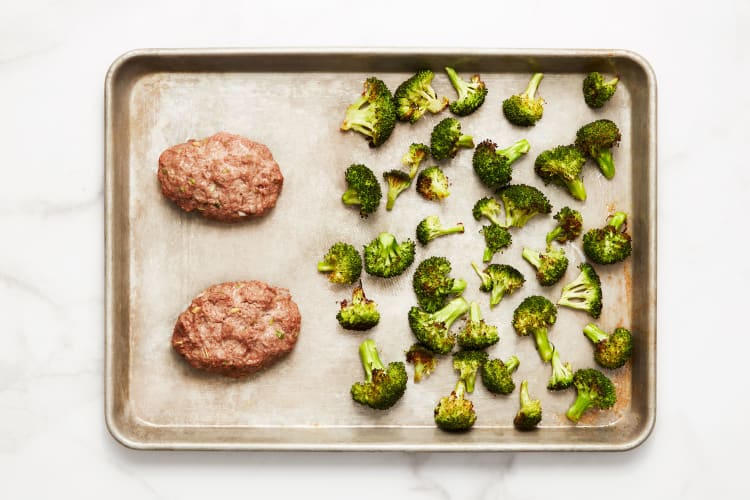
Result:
{"points": [[158, 258]]}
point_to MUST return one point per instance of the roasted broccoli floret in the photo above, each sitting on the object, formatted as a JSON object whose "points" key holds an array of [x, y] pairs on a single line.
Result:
{"points": [[468, 364], [433, 184], [496, 238], [471, 94], [364, 189], [610, 244], [499, 280], [398, 182], [568, 228], [583, 293], [383, 386], [525, 109], [343, 264], [373, 114], [530, 413], [562, 165], [610, 351], [596, 91], [597, 139], [430, 228], [385, 257], [424, 361], [493, 166], [417, 152], [550, 265], [433, 284], [476, 334], [415, 97], [533, 317], [455, 412], [432, 330], [562, 373], [488, 207], [447, 138], [359, 314], [595, 390], [522, 202], [497, 376]]}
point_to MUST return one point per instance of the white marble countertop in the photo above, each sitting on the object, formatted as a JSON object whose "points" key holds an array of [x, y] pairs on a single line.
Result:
{"points": [[53, 439]]}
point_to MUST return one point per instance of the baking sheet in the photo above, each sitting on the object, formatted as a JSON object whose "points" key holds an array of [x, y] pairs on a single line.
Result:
{"points": [[158, 258]]}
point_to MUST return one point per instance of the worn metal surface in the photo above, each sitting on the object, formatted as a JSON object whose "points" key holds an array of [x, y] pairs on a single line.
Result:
{"points": [[158, 258]]}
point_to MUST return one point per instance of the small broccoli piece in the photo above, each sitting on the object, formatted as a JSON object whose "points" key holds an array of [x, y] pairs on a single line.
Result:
{"points": [[596, 139], [424, 361], [455, 413], [433, 285], [530, 413], [525, 109], [359, 314], [447, 138], [385, 257], [610, 244], [364, 189], [550, 265], [343, 264], [398, 182], [496, 238], [493, 166], [471, 94], [584, 293], [468, 364], [533, 317], [596, 91], [610, 351], [476, 334], [569, 226], [412, 158], [499, 280], [432, 184], [522, 203], [497, 376], [432, 330], [488, 207], [562, 373], [562, 165], [430, 228], [415, 97], [383, 386], [373, 114], [595, 390]]}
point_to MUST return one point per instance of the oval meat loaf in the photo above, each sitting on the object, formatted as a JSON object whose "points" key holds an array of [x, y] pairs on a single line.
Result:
{"points": [[237, 328], [225, 177]]}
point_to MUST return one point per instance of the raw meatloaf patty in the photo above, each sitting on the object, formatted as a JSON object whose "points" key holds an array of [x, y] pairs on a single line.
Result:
{"points": [[237, 328], [225, 177]]}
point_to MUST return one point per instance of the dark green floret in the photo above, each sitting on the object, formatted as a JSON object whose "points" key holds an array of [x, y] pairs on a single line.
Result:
{"points": [[522, 203], [562, 166], [596, 91], [550, 265], [430, 228], [417, 152], [398, 182], [562, 373], [383, 385], [530, 413], [610, 244], [432, 330], [525, 109], [359, 314], [447, 138], [497, 376], [493, 166], [385, 257], [476, 334], [433, 184], [424, 361], [488, 207], [569, 226], [471, 94], [373, 114], [596, 140], [415, 97], [342, 263], [455, 413], [533, 317], [583, 293], [595, 390], [364, 189], [468, 364], [499, 280], [610, 351], [433, 284], [496, 238]]}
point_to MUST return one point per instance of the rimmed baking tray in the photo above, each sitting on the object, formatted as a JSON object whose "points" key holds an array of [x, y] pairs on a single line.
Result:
{"points": [[158, 258]]}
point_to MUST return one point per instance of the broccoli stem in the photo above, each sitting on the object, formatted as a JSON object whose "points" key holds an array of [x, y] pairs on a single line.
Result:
{"points": [[542, 344], [351, 197], [533, 84], [594, 333], [612, 82], [617, 220], [525, 398], [606, 163], [475, 315], [459, 285], [451, 312], [552, 235], [485, 279], [576, 188], [368, 353], [514, 152], [465, 141], [451, 230], [512, 363], [324, 266], [581, 404], [532, 257], [458, 84], [460, 388], [488, 254]]}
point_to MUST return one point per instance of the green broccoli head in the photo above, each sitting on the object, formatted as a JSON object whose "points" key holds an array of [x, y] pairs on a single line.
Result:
{"points": [[476, 334], [424, 361], [610, 244], [594, 390], [385, 257], [530, 413], [596, 91], [499, 280], [468, 364], [562, 373], [447, 138], [415, 97], [430, 228], [496, 238], [522, 203], [488, 207], [364, 189], [455, 413], [359, 314], [497, 376], [373, 114], [471, 94], [433, 284], [569, 226], [596, 139], [583, 293], [342, 263], [432, 330], [562, 165], [550, 265], [525, 109], [433, 184], [533, 317], [397, 182], [383, 386], [493, 166], [417, 152], [610, 351]]}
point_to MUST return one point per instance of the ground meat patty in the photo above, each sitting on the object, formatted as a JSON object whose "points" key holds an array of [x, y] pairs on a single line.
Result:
{"points": [[237, 328], [225, 177]]}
